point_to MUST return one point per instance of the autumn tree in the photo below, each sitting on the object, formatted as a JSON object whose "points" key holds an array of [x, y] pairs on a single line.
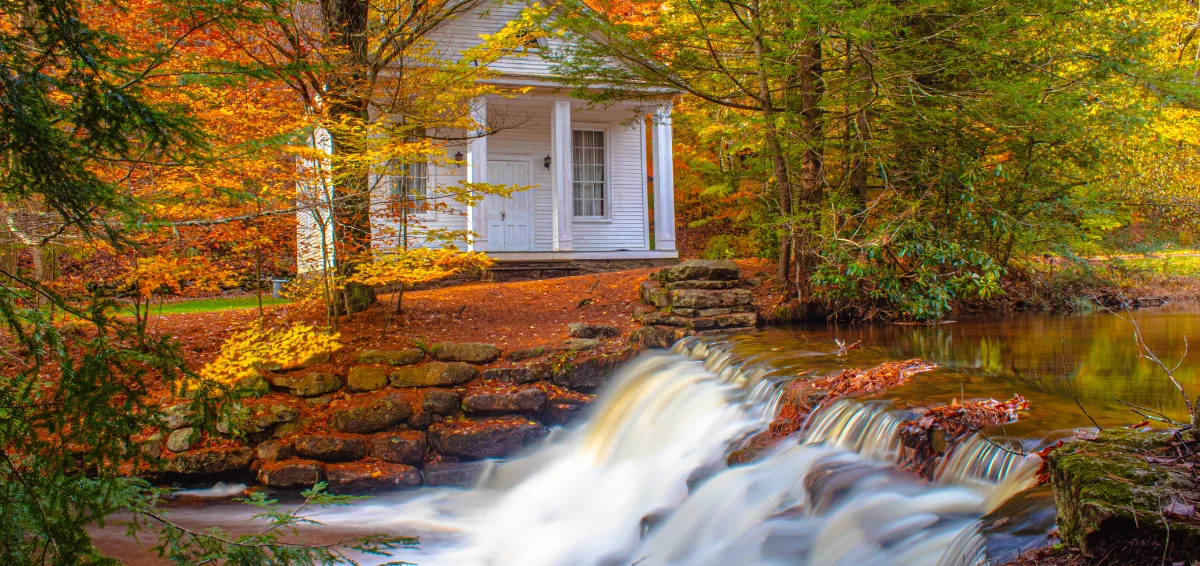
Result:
{"points": [[79, 118], [904, 153], [379, 97]]}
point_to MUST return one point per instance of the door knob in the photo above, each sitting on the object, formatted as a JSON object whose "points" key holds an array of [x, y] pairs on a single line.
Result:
{"points": [[502, 216]]}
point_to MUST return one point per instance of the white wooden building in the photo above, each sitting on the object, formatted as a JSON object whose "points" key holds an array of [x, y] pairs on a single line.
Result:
{"points": [[591, 168]]}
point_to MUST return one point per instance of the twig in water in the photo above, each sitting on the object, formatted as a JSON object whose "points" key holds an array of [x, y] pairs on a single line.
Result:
{"points": [[1160, 418], [1062, 353], [1150, 355]]}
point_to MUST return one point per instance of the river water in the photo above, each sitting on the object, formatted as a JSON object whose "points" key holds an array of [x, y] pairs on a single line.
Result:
{"points": [[643, 481]]}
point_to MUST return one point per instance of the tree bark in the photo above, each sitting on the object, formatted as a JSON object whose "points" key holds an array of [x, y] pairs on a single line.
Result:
{"points": [[779, 168], [812, 160], [348, 100]]}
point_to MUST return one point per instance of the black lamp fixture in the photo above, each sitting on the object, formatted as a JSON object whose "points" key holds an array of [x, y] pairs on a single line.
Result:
{"points": [[546, 162], [458, 156]]}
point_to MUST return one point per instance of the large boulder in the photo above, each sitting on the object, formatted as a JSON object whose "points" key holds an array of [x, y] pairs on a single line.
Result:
{"points": [[475, 439], [366, 378], [433, 374], [700, 269], [290, 473], [362, 477], [528, 399], [1117, 492], [404, 447], [369, 415], [331, 447], [469, 352], [310, 384], [405, 357]]}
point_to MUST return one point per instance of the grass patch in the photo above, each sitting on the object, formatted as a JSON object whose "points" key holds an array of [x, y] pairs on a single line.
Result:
{"points": [[211, 305], [1173, 264]]}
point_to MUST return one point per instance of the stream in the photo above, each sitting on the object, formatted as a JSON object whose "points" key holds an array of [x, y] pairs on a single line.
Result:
{"points": [[642, 479]]}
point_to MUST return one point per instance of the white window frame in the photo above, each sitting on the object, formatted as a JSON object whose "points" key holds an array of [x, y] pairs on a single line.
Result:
{"points": [[391, 178], [608, 172]]}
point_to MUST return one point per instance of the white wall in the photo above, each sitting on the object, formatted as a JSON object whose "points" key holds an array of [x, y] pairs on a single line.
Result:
{"points": [[525, 134], [464, 32]]}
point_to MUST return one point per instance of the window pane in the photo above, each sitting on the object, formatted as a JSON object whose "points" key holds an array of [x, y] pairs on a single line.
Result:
{"points": [[588, 166]]}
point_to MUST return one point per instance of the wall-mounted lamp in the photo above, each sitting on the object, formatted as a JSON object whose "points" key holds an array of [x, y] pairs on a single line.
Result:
{"points": [[546, 162], [458, 157]]}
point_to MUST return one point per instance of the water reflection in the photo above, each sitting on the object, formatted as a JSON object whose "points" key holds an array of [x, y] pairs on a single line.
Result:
{"points": [[1033, 355]]}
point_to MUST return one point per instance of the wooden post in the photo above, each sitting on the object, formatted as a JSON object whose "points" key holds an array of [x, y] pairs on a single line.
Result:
{"points": [[664, 180], [477, 164], [560, 159]]}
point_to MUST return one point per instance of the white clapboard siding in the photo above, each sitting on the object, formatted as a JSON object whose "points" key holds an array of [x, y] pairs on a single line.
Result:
{"points": [[465, 31]]}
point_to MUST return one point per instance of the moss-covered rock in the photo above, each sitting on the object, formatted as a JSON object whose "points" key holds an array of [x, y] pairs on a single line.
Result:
{"points": [[1113, 492], [469, 352]]}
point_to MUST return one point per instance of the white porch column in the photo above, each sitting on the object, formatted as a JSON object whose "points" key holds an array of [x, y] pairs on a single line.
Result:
{"points": [[560, 159], [477, 165], [664, 180]]}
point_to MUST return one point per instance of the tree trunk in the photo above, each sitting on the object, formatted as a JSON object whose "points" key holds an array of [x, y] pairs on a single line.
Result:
{"points": [[812, 160], [779, 168], [348, 99]]}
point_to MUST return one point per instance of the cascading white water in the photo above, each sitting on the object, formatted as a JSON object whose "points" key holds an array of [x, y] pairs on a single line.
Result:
{"points": [[644, 481]]}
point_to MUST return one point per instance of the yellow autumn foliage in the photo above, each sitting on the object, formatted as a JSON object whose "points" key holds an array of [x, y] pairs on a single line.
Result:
{"points": [[417, 265], [246, 352]]}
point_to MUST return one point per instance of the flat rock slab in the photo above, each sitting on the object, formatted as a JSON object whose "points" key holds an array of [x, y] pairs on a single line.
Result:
{"points": [[433, 374], [700, 269], [403, 447], [469, 352], [586, 374], [585, 330], [293, 472], [524, 400], [453, 474], [706, 299], [213, 460], [366, 378], [405, 357], [369, 415], [311, 384], [581, 344], [526, 354], [331, 447], [476, 439], [1110, 495], [363, 477]]}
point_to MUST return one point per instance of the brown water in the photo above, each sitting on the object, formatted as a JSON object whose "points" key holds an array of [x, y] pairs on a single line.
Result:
{"points": [[1041, 357]]}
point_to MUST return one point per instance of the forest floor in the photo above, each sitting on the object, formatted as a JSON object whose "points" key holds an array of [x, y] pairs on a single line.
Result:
{"points": [[511, 315]]}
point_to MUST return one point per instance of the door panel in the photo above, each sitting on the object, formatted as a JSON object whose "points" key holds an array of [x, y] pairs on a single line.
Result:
{"points": [[509, 219]]}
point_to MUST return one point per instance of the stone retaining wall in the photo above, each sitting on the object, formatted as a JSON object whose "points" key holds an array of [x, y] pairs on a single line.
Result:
{"points": [[390, 419]]}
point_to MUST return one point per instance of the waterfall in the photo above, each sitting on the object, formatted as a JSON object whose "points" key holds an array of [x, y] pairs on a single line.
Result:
{"points": [[644, 481]]}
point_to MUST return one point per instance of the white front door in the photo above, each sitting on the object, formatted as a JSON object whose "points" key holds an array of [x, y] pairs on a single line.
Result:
{"points": [[510, 220]]}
